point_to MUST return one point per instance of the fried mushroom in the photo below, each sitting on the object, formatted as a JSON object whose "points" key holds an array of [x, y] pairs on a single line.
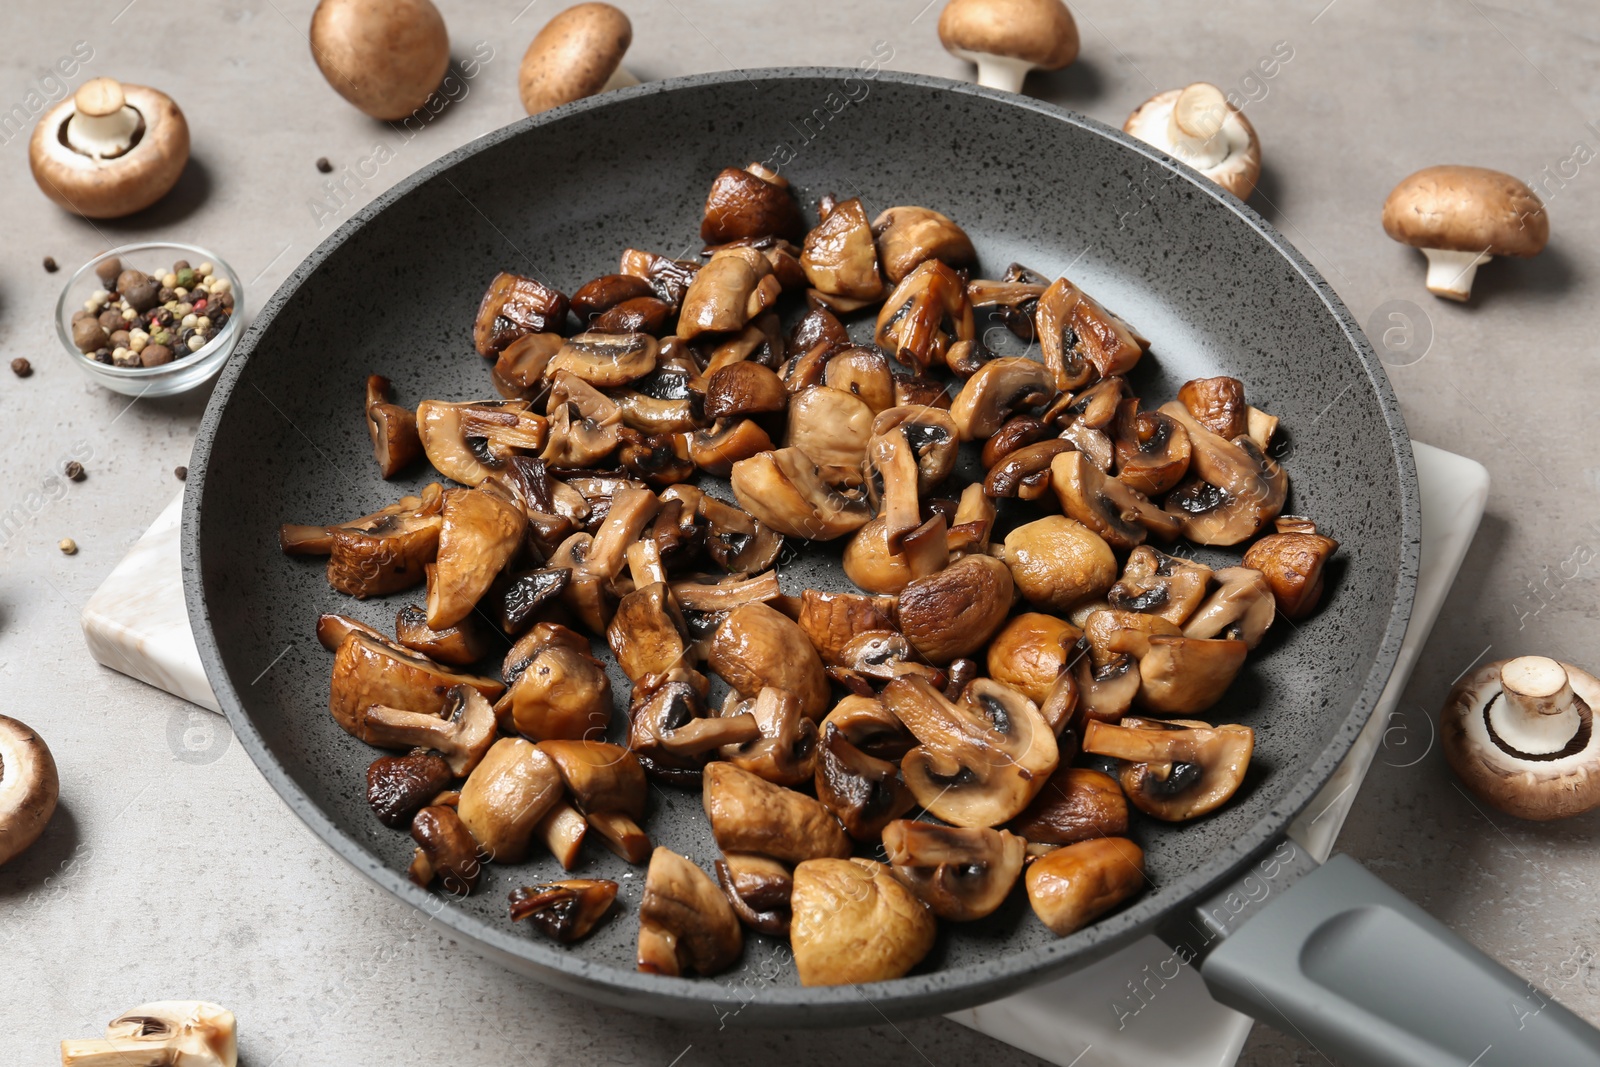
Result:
{"points": [[750, 814], [1177, 770], [685, 921], [855, 921]]}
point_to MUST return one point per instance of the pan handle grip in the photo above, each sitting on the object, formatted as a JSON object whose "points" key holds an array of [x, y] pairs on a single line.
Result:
{"points": [[1367, 977]]}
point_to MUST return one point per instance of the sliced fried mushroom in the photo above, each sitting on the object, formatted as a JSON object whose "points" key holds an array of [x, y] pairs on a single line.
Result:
{"points": [[738, 542], [977, 763], [1121, 515], [756, 647], [1080, 340], [513, 307], [393, 429], [1016, 295], [715, 451], [377, 554], [1174, 771], [607, 784], [1293, 560], [752, 202], [562, 830], [696, 594], [1031, 652], [519, 370], [564, 911], [479, 536], [528, 592], [864, 373], [865, 793], [1024, 473], [996, 392], [606, 360], [924, 316], [468, 442], [910, 236], [369, 670], [462, 731], [960, 873], [445, 850], [750, 814], [1076, 804], [1158, 584], [1152, 449], [735, 286], [758, 888], [840, 258], [685, 921], [832, 427], [1057, 562], [601, 294], [833, 620], [1234, 489], [871, 564], [744, 389], [870, 726], [854, 922], [669, 278], [784, 490], [647, 634], [1073, 886], [562, 692], [400, 786], [459, 645], [1178, 675], [1241, 607], [786, 752], [506, 796], [955, 611], [932, 434], [668, 731]]}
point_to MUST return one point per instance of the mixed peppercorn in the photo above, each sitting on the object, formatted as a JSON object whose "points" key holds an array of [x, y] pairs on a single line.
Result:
{"points": [[145, 320]]}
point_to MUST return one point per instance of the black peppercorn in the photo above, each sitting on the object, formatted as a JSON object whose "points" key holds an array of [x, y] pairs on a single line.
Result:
{"points": [[324, 166], [74, 470], [50, 264], [182, 473], [21, 367]]}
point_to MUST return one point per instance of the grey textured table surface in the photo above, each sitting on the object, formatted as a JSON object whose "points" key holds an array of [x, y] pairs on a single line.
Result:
{"points": [[172, 870]]}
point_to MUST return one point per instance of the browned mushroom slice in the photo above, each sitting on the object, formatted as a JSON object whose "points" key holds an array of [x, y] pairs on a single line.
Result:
{"points": [[461, 732], [445, 850], [506, 796], [832, 620], [735, 286], [302, 539], [658, 460], [647, 634], [393, 429], [750, 814], [606, 360], [743, 389], [1016, 433], [700, 594], [738, 542], [933, 437], [1241, 607], [855, 921], [607, 783], [562, 691], [1187, 675], [1073, 886], [960, 873], [1121, 515], [1217, 404], [786, 752], [1031, 652], [1152, 449], [1177, 770], [519, 370], [631, 510], [644, 314], [998, 390], [512, 307], [1025, 472], [1076, 804], [870, 726], [467, 442], [564, 911], [750, 203], [1158, 584], [871, 564], [784, 490], [386, 554], [458, 645], [685, 921], [756, 647], [910, 236], [601, 294], [758, 888], [978, 763], [1095, 407], [370, 671], [669, 732], [480, 535], [926, 314], [1234, 489], [528, 592], [862, 372], [651, 415], [955, 611], [400, 786], [865, 793], [1016, 295], [587, 594], [715, 451], [920, 391], [1080, 340], [840, 258], [1111, 634], [1293, 560], [669, 278], [830, 426]]}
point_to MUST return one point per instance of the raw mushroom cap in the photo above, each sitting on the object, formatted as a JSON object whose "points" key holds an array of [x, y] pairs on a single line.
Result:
{"points": [[110, 188], [1229, 152], [1460, 217], [1007, 38], [578, 53], [29, 787]]}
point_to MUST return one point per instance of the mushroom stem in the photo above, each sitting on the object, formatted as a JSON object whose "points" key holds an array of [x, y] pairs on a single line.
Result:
{"points": [[1196, 126], [1539, 713], [102, 124], [997, 72], [1450, 273]]}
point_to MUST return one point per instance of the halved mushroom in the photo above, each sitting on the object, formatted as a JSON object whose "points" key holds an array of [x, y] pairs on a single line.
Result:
{"points": [[715, 451], [865, 793], [669, 732], [467, 442], [462, 731], [601, 294], [1242, 607], [786, 752], [369, 670], [855, 921], [758, 888], [513, 307], [864, 373], [784, 490], [669, 278], [979, 762], [506, 796], [756, 647], [1031, 652], [750, 814], [961, 873], [647, 634], [955, 611], [1217, 404], [400, 786], [840, 258], [1080, 340], [376, 554], [685, 922], [1016, 295], [1234, 489], [734, 286], [1187, 675], [606, 360], [701, 595], [744, 389], [871, 564], [1076, 804], [875, 656], [393, 429], [833, 620], [607, 784], [1152, 449], [910, 236], [738, 542], [1073, 886], [753, 202], [445, 850], [1112, 634], [870, 726], [518, 372], [479, 536], [564, 911], [561, 692], [1292, 561], [656, 459], [1177, 770], [190, 1033], [527, 594], [1158, 584], [1121, 515], [999, 389], [832, 427], [459, 645], [1024, 472], [924, 316], [932, 434], [1058, 562]]}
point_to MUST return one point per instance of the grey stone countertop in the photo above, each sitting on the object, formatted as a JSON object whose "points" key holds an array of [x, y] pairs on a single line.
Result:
{"points": [[172, 870]]}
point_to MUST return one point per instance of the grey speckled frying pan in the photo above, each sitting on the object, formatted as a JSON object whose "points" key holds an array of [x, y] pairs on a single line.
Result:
{"points": [[1214, 287]]}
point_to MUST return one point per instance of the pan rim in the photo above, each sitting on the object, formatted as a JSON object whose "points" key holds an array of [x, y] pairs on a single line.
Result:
{"points": [[941, 990]]}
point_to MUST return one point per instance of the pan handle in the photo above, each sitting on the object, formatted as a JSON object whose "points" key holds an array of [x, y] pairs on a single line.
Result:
{"points": [[1366, 976]]}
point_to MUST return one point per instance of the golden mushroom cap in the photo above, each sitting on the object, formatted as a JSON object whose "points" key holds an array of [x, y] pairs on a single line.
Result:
{"points": [[1467, 209]]}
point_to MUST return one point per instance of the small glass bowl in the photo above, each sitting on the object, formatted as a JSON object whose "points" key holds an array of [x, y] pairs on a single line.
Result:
{"points": [[178, 376]]}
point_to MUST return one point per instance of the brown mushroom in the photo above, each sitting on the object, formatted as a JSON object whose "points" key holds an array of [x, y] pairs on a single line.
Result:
{"points": [[1241, 607], [1076, 804], [1080, 340], [960, 873], [393, 429], [506, 796], [734, 286], [743, 389], [1121, 515], [562, 830], [1217, 404], [1024, 472], [1073, 886], [998, 390], [577, 54], [1460, 217], [607, 784], [1057, 562], [110, 149], [871, 564], [750, 814], [400, 786], [955, 611], [468, 442], [564, 911], [737, 541], [756, 647], [459, 645], [1016, 295], [479, 536], [527, 594], [385, 58], [1152, 449], [855, 922], [685, 921], [931, 433], [925, 315], [29, 787], [863, 792], [832, 620], [445, 850], [562, 692], [1234, 489], [606, 360], [784, 490], [870, 726], [1292, 561], [831, 427], [1178, 675], [910, 236], [1007, 40], [461, 732], [1178, 770], [1155, 583], [753, 202], [599, 295], [1031, 652], [368, 670], [758, 888], [864, 373], [512, 307], [669, 732], [648, 634], [979, 762], [786, 752], [518, 372], [840, 258], [376, 554], [715, 451]]}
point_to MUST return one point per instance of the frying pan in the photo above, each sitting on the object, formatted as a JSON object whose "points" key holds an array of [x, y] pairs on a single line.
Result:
{"points": [[1212, 285]]}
